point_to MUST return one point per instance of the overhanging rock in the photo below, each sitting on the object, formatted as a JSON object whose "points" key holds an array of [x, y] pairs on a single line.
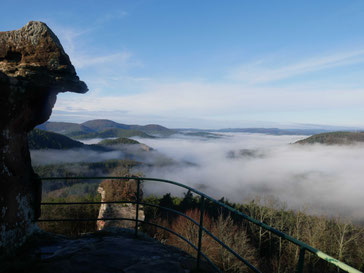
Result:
{"points": [[34, 68]]}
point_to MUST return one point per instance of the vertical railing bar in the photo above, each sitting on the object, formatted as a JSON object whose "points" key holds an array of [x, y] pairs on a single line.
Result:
{"points": [[202, 211], [301, 260], [137, 208]]}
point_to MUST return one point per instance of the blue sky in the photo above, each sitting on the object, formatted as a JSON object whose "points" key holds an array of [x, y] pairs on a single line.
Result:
{"points": [[208, 64]]}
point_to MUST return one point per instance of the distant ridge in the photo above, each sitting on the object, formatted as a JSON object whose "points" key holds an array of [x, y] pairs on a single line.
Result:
{"points": [[334, 138], [101, 128], [43, 140], [110, 133], [267, 131], [39, 139], [104, 128], [274, 131], [118, 141], [64, 127], [105, 124], [98, 125]]}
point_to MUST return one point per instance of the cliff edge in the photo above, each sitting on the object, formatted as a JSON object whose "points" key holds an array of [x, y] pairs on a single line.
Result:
{"points": [[34, 68]]}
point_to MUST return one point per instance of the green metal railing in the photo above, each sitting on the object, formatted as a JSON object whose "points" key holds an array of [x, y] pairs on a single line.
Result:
{"points": [[203, 197]]}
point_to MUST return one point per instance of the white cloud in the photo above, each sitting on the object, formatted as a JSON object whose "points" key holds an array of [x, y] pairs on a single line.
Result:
{"points": [[114, 88], [83, 55], [261, 71], [82, 60], [198, 99], [107, 17]]}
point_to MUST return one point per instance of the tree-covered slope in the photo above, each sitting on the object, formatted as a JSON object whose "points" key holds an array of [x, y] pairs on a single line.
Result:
{"points": [[151, 129], [118, 141], [39, 139], [64, 128], [115, 132], [99, 125], [154, 129], [339, 138]]}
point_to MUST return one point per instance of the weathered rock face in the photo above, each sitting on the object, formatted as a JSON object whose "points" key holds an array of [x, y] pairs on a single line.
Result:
{"points": [[114, 250], [117, 211], [33, 69]]}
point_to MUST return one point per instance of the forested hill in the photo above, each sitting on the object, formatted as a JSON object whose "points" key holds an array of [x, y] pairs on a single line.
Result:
{"points": [[64, 128], [109, 133], [99, 125], [338, 138], [100, 128], [39, 139], [118, 141]]}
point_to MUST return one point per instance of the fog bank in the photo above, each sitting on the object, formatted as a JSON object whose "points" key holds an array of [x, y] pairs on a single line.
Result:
{"points": [[45, 157], [326, 179]]}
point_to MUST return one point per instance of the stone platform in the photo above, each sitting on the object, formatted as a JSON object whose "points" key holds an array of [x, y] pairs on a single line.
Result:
{"points": [[104, 251]]}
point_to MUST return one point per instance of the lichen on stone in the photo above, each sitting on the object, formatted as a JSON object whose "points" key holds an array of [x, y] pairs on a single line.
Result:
{"points": [[34, 68]]}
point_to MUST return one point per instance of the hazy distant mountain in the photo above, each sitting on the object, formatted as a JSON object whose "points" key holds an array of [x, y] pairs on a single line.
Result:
{"points": [[109, 133], [273, 131], [105, 128], [104, 124], [99, 125], [154, 129], [341, 138], [151, 129], [203, 134], [64, 128]]}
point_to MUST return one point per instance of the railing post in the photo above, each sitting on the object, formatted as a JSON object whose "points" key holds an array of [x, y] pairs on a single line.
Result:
{"points": [[137, 207], [301, 260], [202, 211]]}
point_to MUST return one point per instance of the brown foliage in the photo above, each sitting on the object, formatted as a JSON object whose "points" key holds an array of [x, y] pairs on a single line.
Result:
{"points": [[73, 228], [118, 189], [224, 229]]}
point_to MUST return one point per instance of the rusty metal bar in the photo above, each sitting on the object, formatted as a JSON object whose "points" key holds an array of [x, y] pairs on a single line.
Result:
{"points": [[202, 211]]}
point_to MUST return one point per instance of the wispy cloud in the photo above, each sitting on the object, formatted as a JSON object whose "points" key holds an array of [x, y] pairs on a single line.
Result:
{"points": [[107, 17], [219, 101], [262, 72], [101, 71], [83, 60], [83, 55], [114, 88]]}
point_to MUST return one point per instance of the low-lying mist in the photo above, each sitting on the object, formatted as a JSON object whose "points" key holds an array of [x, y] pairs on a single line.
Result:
{"points": [[240, 167], [45, 157]]}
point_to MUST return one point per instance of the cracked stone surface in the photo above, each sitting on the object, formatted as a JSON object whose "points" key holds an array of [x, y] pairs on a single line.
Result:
{"points": [[33, 69], [108, 252]]}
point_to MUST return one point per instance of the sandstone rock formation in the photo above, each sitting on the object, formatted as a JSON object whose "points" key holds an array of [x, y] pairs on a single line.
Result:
{"points": [[118, 210], [33, 69], [115, 250]]}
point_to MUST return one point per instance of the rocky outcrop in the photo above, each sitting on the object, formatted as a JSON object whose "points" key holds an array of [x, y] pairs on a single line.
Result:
{"points": [[34, 68], [117, 211], [115, 250]]}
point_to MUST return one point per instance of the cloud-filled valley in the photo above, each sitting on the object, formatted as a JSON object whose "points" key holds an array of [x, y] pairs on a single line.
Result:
{"points": [[240, 167], [323, 179]]}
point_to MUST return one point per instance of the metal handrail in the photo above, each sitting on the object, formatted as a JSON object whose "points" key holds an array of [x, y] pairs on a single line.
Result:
{"points": [[303, 246]]}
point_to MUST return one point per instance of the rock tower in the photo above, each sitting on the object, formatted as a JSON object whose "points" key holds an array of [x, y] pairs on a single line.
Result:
{"points": [[34, 68]]}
